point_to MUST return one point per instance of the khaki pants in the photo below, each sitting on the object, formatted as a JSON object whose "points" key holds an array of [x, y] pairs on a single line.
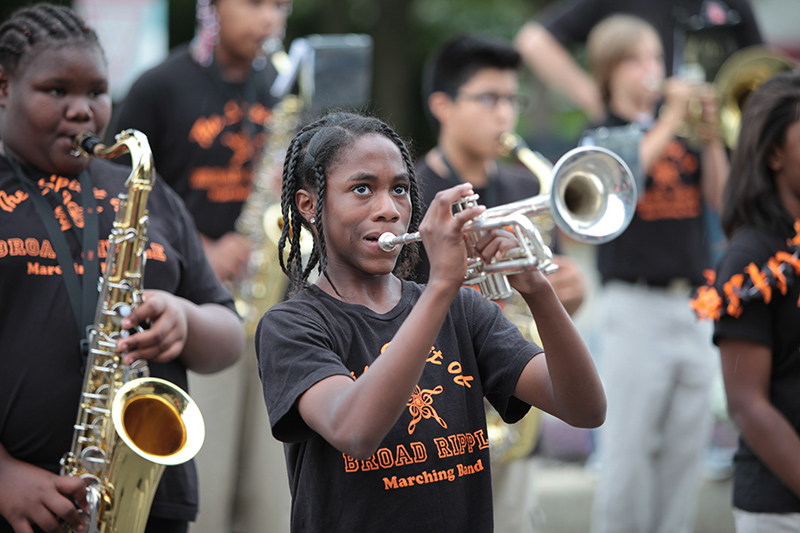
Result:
{"points": [[658, 365]]}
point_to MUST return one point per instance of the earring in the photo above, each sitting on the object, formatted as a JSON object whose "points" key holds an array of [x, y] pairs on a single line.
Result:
{"points": [[313, 220]]}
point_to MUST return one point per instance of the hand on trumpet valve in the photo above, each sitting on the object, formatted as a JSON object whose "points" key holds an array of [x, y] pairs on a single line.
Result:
{"points": [[442, 234], [498, 244]]}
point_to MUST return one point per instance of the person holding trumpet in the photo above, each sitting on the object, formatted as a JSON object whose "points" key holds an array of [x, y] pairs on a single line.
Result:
{"points": [[471, 92], [376, 384], [657, 363]]}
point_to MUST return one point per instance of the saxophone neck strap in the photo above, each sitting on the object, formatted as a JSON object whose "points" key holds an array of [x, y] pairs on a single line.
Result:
{"points": [[82, 292]]}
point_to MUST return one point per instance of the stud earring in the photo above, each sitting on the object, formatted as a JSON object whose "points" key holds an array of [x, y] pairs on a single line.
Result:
{"points": [[313, 220]]}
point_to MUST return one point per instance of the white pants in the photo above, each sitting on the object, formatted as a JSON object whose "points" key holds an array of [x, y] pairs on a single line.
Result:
{"points": [[516, 507], [657, 365], [766, 522], [244, 486]]}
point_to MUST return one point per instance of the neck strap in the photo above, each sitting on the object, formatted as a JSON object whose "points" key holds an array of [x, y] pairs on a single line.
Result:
{"points": [[82, 294]]}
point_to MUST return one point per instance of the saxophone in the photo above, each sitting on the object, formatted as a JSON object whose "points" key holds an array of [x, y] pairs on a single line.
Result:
{"points": [[260, 220], [130, 426]]}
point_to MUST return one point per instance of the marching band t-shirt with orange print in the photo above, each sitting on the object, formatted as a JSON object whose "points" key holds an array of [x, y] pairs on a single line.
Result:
{"points": [[775, 324], [205, 134], [667, 237], [431, 472], [40, 351]]}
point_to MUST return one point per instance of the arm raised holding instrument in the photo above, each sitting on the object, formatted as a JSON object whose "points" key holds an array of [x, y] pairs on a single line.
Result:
{"points": [[363, 365]]}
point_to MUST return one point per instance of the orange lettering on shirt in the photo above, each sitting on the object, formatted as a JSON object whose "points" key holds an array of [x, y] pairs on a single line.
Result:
{"points": [[156, 252], [9, 202], [205, 130]]}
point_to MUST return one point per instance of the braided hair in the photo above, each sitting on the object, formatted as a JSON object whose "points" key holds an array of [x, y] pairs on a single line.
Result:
{"points": [[43, 25], [312, 152]]}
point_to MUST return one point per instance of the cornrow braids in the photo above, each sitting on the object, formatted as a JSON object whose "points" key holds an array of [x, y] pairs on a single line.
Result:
{"points": [[45, 25], [314, 150]]}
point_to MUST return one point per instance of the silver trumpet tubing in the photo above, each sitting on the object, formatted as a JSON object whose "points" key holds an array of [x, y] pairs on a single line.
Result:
{"points": [[592, 199]]}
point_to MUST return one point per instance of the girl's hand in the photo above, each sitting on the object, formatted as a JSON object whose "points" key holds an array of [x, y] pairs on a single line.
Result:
{"points": [[31, 495], [166, 337], [494, 245], [443, 235]]}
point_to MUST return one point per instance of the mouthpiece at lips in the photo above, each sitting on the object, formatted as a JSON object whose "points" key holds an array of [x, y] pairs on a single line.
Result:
{"points": [[86, 142]]}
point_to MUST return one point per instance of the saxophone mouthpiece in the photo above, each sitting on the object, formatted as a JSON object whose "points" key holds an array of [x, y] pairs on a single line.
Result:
{"points": [[86, 144]]}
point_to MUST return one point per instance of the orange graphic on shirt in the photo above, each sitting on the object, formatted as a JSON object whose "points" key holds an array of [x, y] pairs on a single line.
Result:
{"points": [[258, 114], [9, 202], [205, 130], [241, 147], [230, 183], [669, 197], [421, 406]]}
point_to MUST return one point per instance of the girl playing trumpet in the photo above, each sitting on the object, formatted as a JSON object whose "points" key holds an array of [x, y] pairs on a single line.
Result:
{"points": [[376, 384]]}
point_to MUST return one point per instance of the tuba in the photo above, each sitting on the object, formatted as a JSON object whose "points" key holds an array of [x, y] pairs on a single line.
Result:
{"points": [[592, 199], [130, 426]]}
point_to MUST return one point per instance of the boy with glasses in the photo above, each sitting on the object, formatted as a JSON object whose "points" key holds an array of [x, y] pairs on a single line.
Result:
{"points": [[471, 88]]}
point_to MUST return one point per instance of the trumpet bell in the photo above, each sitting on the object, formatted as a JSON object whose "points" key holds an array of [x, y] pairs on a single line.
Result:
{"points": [[593, 196]]}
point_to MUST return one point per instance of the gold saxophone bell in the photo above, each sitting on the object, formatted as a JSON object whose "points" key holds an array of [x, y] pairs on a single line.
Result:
{"points": [[129, 426], [592, 200]]}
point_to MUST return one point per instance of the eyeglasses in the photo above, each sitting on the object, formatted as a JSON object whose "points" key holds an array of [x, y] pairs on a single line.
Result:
{"points": [[490, 100]]}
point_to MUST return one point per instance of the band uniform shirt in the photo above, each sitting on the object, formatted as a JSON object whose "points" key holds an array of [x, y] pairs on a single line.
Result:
{"points": [[510, 183], [755, 488], [431, 472], [206, 134], [666, 238], [571, 21], [40, 350]]}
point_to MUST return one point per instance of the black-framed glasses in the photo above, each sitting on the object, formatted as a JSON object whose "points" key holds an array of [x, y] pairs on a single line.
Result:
{"points": [[490, 100]]}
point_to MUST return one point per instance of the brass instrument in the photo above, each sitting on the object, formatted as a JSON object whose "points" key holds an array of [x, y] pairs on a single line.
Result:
{"points": [[264, 283], [736, 79], [592, 200], [129, 425]]}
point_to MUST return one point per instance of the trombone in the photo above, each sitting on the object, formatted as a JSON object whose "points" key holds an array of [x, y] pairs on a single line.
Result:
{"points": [[592, 199]]}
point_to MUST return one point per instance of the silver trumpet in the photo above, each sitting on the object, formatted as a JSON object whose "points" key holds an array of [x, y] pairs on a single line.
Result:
{"points": [[592, 199]]}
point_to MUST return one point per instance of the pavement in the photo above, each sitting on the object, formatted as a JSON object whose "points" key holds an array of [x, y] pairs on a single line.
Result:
{"points": [[565, 491]]}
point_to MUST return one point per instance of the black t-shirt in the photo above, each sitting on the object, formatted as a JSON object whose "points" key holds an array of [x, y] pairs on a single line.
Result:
{"points": [[508, 184], [205, 134], [727, 24], [41, 358], [775, 325], [666, 238], [431, 472]]}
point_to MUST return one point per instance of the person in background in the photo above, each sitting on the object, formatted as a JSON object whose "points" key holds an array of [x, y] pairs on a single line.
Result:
{"points": [[753, 298], [204, 110], [656, 362], [54, 85], [471, 90], [546, 43]]}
